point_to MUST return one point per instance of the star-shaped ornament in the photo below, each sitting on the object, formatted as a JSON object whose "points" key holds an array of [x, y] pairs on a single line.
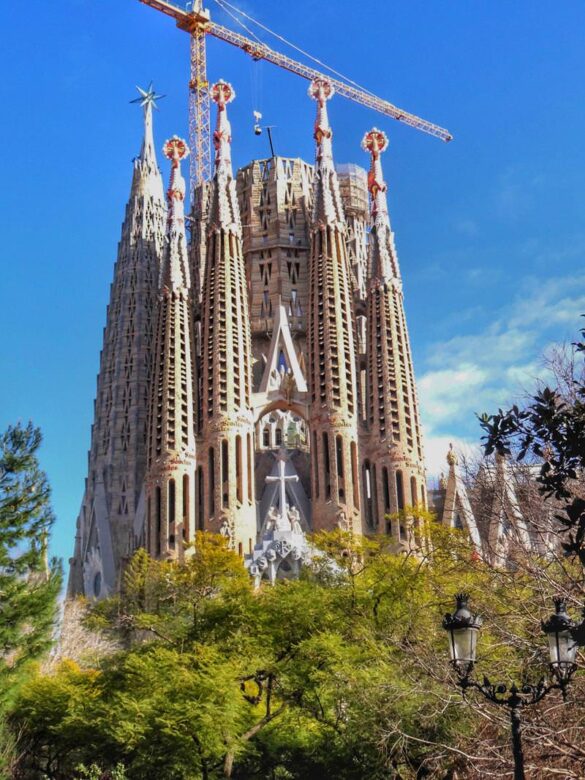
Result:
{"points": [[148, 96]]}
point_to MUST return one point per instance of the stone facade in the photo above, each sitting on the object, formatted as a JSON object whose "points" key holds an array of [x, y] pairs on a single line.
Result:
{"points": [[500, 507], [225, 465], [281, 387], [392, 465], [171, 462], [110, 524]]}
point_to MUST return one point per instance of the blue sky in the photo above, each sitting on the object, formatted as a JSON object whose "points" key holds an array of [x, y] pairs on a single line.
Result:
{"points": [[490, 228]]}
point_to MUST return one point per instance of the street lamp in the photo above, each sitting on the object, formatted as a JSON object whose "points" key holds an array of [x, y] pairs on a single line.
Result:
{"points": [[564, 637], [562, 643], [463, 628]]}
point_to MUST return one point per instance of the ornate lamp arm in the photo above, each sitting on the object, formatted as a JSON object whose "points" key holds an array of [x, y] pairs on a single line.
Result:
{"points": [[514, 697]]}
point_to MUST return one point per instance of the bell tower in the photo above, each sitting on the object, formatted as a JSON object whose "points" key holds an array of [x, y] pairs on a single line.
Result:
{"points": [[333, 416], [225, 472]]}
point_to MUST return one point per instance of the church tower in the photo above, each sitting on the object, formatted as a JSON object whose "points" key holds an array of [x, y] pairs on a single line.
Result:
{"points": [[171, 446], [393, 467], [225, 472], [333, 417], [110, 522]]}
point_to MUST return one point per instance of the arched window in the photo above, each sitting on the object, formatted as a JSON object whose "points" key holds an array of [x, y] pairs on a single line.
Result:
{"points": [[354, 476], [278, 437], [186, 520], [399, 490], [239, 485], [200, 498], [250, 456], [327, 465], [413, 491], [374, 494], [172, 512], [171, 501], [266, 437], [339, 463], [158, 518], [368, 491], [315, 456], [386, 489], [225, 474], [211, 474]]}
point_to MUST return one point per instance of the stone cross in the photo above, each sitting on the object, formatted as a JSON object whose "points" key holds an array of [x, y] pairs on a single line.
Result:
{"points": [[282, 478]]}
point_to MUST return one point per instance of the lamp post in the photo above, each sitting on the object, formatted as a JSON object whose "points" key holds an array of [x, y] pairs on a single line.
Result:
{"points": [[564, 636]]}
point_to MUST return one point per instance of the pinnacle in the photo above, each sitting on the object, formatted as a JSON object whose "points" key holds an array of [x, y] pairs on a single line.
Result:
{"points": [[384, 260], [147, 180], [327, 205], [175, 272]]}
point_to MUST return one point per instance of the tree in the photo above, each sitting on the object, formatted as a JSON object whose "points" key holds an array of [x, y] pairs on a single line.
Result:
{"points": [[551, 431], [29, 586], [342, 673]]}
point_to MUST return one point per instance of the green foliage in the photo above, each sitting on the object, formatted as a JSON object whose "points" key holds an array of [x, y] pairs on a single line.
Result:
{"points": [[94, 772], [28, 588], [341, 673], [550, 429]]}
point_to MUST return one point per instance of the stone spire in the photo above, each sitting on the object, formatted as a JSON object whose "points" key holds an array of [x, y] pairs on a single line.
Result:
{"points": [[331, 347], [394, 467], [147, 179], [226, 457], [111, 519], [171, 462], [507, 528], [457, 512]]}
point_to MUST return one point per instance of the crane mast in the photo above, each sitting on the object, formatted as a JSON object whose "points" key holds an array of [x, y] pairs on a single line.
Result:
{"points": [[198, 24]]}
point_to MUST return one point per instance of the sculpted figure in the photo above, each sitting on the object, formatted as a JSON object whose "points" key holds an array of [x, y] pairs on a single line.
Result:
{"points": [[282, 521], [295, 520]]}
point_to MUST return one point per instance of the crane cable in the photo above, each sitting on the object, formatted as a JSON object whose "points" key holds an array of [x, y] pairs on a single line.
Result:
{"points": [[224, 4], [239, 21]]}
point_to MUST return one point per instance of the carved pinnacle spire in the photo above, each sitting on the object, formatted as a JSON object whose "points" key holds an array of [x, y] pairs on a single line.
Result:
{"points": [[222, 93], [327, 204], [175, 266], [224, 213], [375, 142], [321, 91], [147, 100], [384, 260]]}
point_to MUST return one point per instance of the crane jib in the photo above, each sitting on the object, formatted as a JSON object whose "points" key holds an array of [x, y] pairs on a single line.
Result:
{"points": [[190, 22]]}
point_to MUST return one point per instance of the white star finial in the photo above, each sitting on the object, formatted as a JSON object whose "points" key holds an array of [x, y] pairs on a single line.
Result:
{"points": [[148, 97]]}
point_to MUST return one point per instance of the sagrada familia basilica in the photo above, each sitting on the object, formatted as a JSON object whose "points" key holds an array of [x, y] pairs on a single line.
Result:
{"points": [[256, 377]]}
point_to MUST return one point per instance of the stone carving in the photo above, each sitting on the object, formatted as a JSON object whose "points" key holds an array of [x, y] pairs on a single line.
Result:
{"points": [[225, 530], [288, 385], [282, 548], [294, 519], [342, 522]]}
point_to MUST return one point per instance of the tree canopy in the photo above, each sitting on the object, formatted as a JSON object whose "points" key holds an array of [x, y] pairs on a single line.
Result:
{"points": [[29, 586], [342, 673], [551, 430]]}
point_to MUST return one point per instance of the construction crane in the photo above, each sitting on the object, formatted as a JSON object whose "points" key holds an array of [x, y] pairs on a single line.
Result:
{"points": [[196, 21]]}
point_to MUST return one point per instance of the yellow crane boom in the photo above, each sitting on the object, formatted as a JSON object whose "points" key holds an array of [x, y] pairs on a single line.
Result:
{"points": [[198, 24]]}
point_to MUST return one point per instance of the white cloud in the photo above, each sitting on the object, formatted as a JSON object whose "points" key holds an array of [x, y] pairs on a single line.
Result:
{"points": [[437, 447], [443, 391], [482, 371]]}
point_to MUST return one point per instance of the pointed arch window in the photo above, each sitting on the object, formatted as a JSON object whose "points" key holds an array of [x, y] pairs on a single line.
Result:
{"points": [[400, 490]]}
